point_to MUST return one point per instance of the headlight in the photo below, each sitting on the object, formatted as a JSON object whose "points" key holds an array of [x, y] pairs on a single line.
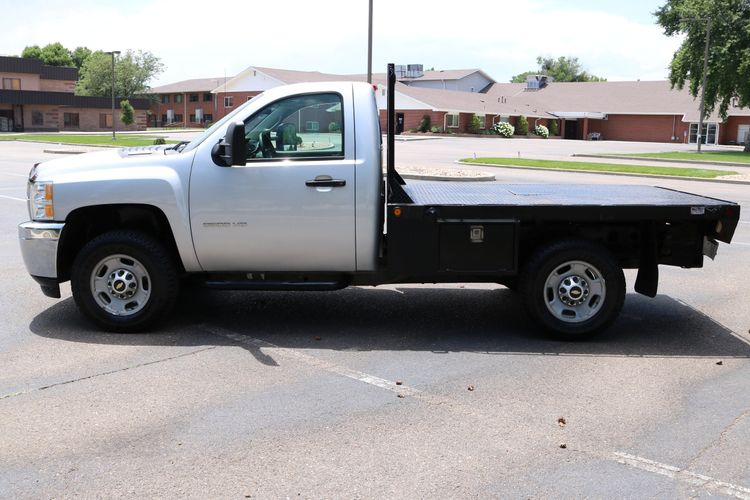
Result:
{"points": [[41, 201]]}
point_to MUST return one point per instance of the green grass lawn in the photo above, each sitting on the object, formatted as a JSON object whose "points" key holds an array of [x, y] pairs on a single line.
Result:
{"points": [[730, 156], [603, 167], [85, 140]]}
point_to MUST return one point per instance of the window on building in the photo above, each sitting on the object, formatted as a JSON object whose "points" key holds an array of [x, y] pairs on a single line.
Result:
{"points": [[451, 120], [193, 97], [481, 121], [165, 99], [164, 118], [178, 98], [191, 118], [208, 118], [37, 118], [178, 118], [307, 126], [70, 120], [228, 101], [105, 120], [208, 97], [11, 84], [709, 135]]}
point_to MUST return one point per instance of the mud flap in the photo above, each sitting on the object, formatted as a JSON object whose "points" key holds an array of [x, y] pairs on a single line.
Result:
{"points": [[647, 281]]}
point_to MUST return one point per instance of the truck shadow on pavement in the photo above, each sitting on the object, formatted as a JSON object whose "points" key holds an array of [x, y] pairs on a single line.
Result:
{"points": [[438, 320]]}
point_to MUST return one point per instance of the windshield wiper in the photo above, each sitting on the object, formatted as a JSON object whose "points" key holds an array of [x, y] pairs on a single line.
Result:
{"points": [[179, 146]]}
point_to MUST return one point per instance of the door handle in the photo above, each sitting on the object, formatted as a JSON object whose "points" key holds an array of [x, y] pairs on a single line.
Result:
{"points": [[326, 183]]}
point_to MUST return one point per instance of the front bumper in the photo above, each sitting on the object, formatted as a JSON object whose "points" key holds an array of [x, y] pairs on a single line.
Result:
{"points": [[39, 242]]}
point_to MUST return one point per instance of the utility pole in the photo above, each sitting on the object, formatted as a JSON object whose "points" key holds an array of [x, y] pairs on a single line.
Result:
{"points": [[703, 86], [369, 46], [113, 53]]}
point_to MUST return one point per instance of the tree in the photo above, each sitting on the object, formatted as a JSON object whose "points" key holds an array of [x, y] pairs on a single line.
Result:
{"points": [[728, 74], [79, 55], [32, 51], [562, 69], [553, 127], [522, 126], [133, 70], [127, 115], [474, 125], [54, 54]]}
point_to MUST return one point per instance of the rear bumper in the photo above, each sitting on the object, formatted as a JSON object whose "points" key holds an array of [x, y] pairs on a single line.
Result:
{"points": [[39, 242]]}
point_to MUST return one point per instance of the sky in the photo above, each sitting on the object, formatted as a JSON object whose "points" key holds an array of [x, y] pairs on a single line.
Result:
{"points": [[615, 39]]}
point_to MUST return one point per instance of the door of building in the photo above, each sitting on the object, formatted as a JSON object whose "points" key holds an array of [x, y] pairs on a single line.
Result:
{"points": [[742, 133], [571, 129], [399, 123]]}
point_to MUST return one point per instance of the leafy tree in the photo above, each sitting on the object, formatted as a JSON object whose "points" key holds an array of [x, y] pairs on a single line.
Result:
{"points": [[79, 55], [522, 127], [562, 69], [54, 54], [728, 75], [553, 130], [127, 113], [133, 70], [474, 125], [32, 51]]}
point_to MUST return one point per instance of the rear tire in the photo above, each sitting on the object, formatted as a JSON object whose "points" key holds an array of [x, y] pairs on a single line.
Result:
{"points": [[124, 281], [574, 289]]}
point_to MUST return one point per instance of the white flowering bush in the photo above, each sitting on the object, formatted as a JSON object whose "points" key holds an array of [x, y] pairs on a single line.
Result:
{"points": [[541, 131], [504, 129]]}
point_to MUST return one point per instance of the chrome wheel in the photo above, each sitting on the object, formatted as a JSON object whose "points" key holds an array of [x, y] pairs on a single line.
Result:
{"points": [[574, 291], [120, 285]]}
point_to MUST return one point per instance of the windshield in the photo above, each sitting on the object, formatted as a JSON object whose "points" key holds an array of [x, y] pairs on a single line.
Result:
{"points": [[196, 142]]}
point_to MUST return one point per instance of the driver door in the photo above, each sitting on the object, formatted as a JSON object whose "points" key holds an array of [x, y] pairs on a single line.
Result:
{"points": [[291, 206]]}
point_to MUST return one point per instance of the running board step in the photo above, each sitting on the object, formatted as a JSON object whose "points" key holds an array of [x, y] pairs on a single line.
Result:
{"points": [[276, 285]]}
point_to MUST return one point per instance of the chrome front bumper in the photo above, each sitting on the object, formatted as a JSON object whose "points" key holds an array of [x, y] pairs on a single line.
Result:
{"points": [[39, 247]]}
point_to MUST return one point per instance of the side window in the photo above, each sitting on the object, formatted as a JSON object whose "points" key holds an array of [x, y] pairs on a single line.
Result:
{"points": [[303, 126]]}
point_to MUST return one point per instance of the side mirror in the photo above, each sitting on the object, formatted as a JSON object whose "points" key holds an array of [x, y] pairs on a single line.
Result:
{"points": [[232, 149]]}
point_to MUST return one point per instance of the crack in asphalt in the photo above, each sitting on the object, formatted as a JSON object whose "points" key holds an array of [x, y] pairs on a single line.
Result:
{"points": [[110, 372]]}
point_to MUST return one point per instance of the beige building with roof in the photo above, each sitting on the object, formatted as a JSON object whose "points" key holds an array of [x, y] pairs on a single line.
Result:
{"points": [[627, 111]]}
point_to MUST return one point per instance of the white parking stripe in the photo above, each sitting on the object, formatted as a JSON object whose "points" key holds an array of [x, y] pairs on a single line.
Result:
{"points": [[317, 362], [683, 475], [12, 198], [740, 243], [15, 175]]}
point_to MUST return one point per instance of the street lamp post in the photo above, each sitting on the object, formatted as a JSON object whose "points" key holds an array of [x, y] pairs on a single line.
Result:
{"points": [[369, 46], [703, 86], [113, 53]]}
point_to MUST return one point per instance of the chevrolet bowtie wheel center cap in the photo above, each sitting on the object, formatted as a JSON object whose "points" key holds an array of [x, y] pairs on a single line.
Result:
{"points": [[122, 284], [573, 290]]}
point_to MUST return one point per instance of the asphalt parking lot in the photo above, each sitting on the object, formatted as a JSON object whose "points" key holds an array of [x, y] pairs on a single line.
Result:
{"points": [[268, 395]]}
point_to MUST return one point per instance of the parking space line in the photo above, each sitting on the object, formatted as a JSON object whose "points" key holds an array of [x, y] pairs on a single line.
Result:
{"points": [[314, 362], [12, 198], [15, 175], [683, 475]]}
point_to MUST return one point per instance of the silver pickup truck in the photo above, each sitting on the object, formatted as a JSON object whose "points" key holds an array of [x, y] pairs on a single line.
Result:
{"points": [[287, 193]]}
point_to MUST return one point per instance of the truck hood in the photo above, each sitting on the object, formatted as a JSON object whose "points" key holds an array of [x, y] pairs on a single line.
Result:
{"points": [[97, 163]]}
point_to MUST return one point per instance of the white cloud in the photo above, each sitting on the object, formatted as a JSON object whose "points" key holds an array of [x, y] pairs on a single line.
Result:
{"points": [[199, 39]]}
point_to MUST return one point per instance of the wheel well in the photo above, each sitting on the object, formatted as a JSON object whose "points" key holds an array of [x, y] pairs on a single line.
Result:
{"points": [[623, 240], [84, 224]]}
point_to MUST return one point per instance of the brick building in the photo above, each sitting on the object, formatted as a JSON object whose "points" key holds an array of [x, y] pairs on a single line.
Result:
{"points": [[620, 111], [37, 97], [189, 103]]}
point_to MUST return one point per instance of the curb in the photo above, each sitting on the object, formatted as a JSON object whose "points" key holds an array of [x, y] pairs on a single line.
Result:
{"points": [[621, 174], [664, 160], [427, 177], [63, 151]]}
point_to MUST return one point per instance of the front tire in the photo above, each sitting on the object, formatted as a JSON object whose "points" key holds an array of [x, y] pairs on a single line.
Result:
{"points": [[574, 289], [124, 281]]}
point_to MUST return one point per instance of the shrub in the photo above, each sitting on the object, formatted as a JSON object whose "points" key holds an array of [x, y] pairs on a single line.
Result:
{"points": [[159, 140], [522, 127], [553, 128], [436, 130], [127, 115], [504, 129], [333, 127], [541, 131], [474, 125], [425, 123]]}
